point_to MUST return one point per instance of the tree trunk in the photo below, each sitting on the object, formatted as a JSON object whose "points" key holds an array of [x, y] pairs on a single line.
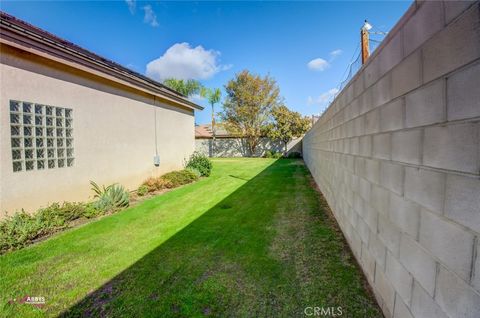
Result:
{"points": [[213, 130], [252, 145]]}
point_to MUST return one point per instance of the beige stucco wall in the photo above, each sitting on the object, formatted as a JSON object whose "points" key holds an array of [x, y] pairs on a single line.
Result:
{"points": [[114, 132]]}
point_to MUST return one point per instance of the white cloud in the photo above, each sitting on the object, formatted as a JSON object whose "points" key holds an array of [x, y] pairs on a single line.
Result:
{"points": [[318, 64], [131, 5], [335, 53], [181, 61], [323, 99], [150, 17]]}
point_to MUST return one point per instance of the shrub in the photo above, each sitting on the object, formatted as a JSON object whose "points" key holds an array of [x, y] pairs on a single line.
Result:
{"points": [[177, 178], [200, 162], [142, 190], [272, 154], [91, 211], [268, 154], [154, 184], [21, 229], [110, 198], [295, 154], [16, 231], [58, 216], [195, 172], [169, 180]]}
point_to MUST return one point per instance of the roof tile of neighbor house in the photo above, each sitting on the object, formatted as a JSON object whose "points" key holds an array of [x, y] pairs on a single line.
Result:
{"points": [[205, 131], [20, 34]]}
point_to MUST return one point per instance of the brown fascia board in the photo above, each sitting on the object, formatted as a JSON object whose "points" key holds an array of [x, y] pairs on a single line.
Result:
{"points": [[26, 37]]}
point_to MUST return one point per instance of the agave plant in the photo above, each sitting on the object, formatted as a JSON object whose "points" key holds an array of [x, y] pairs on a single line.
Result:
{"points": [[111, 197], [99, 191]]}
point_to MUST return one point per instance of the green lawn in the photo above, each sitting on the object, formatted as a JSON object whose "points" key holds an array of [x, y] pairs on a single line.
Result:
{"points": [[252, 240]]}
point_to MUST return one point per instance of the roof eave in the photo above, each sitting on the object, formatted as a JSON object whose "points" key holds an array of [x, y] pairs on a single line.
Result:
{"points": [[27, 40]]}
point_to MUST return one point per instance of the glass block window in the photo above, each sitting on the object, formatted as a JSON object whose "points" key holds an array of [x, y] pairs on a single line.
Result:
{"points": [[41, 136]]}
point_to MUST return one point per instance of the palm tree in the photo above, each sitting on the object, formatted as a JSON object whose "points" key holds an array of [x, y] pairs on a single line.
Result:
{"points": [[187, 88], [191, 87], [213, 97]]}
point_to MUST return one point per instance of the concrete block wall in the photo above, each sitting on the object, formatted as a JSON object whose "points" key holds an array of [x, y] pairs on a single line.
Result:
{"points": [[237, 147], [397, 155]]}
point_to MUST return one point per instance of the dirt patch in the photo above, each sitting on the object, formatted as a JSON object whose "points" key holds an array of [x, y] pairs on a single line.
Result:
{"points": [[175, 308], [207, 311]]}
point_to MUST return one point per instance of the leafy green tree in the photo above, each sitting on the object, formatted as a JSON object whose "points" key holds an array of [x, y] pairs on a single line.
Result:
{"points": [[187, 88], [287, 125], [248, 106]]}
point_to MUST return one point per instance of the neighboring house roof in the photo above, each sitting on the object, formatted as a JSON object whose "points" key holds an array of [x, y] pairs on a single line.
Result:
{"points": [[22, 35], [201, 131], [315, 118], [205, 131]]}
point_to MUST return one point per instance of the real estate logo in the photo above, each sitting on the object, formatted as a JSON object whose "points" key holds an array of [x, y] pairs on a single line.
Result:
{"points": [[37, 301]]}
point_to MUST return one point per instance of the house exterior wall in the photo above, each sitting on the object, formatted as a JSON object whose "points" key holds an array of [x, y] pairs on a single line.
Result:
{"points": [[235, 147], [114, 132], [397, 155]]}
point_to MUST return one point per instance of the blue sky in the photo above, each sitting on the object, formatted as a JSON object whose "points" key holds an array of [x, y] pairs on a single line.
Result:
{"points": [[305, 46]]}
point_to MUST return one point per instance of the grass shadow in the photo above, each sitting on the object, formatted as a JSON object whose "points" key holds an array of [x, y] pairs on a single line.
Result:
{"points": [[267, 249]]}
